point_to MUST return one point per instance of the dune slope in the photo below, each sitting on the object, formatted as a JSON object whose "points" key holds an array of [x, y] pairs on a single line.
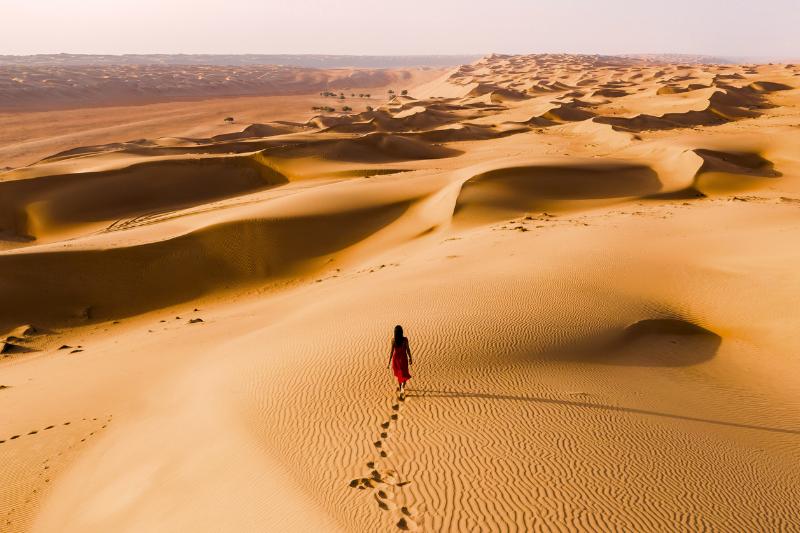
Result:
{"points": [[593, 259]]}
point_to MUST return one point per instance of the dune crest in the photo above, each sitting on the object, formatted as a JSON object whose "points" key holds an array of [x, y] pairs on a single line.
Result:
{"points": [[593, 259]]}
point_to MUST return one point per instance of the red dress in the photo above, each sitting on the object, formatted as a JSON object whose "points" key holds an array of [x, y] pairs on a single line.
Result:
{"points": [[400, 361]]}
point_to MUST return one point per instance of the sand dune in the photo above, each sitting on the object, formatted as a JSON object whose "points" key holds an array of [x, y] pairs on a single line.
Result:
{"points": [[371, 148], [729, 172], [555, 186], [593, 258], [64, 86], [47, 206]]}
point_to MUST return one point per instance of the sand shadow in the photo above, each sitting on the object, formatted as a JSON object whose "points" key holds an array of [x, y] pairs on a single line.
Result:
{"points": [[517, 187], [660, 342], [431, 393], [8, 349]]}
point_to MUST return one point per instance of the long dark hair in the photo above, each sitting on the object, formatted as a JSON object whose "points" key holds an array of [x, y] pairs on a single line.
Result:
{"points": [[398, 335]]}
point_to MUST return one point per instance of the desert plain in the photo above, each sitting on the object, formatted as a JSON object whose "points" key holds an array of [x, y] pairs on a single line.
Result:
{"points": [[595, 260]]}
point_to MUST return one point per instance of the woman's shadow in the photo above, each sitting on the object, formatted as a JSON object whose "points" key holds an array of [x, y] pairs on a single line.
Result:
{"points": [[430, 393]]}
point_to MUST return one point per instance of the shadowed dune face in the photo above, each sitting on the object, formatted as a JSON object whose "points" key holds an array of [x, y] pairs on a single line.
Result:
{"points": [[572, 112], [769, 86], [750, 163], [51, 204], [370, 148], [724, 172], [732, 172], [668, 121], [470, 132], [258, 131], [653, 342], [213, 285], [133, 279], [379, 148], [725, 104], [664, 342], [8, 348], [507, 191]]}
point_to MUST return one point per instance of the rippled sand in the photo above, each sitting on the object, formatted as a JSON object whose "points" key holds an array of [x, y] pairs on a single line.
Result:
{"points": [[594, 260]]}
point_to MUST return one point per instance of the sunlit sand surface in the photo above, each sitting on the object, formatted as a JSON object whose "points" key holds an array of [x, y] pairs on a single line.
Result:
{"points": [[595, 261]]}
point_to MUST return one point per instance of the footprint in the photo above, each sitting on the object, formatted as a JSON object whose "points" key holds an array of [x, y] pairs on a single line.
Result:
{"points": [[406, 524], [384, 483], [384, 503], [36, 431]]}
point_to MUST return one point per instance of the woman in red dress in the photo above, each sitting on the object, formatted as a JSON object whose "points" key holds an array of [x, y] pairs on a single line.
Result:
{"points": [[400, 358]]}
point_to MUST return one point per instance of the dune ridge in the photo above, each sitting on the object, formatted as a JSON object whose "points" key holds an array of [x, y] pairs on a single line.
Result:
{"points": [[592, 258]]}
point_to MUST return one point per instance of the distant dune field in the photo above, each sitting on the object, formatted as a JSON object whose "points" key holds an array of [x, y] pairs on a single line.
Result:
{"points": [[31, 87], [41, 117], [595, 260]]}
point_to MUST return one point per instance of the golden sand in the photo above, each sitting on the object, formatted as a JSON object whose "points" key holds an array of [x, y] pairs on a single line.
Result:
{"points": [[595, 262]]}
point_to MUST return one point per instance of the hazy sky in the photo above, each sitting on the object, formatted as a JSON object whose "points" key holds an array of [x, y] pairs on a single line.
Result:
{"points": [[719, 27]]}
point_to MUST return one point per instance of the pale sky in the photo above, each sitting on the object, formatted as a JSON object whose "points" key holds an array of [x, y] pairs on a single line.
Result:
{"points": [[716, 27]]}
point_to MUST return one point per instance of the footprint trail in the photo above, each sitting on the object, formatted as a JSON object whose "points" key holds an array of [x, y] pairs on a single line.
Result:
{"points": [[383, 479]]}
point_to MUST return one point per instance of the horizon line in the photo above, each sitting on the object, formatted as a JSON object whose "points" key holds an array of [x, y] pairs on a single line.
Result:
{"points": [[352, 54]]}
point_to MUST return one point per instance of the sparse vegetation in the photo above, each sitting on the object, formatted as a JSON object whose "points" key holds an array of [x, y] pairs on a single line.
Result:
{"points": [[404, 93], [347, 108], [229, 120], [369, 108]]}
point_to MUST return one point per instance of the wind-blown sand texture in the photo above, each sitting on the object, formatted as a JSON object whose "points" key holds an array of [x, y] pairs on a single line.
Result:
{"points": [[595, 261]]}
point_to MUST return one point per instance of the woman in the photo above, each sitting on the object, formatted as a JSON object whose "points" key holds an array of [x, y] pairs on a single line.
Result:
{"points": [[400, 358]]}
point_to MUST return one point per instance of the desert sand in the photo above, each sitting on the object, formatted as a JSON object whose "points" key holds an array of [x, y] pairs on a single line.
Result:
{"points": [[595, 260]]}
